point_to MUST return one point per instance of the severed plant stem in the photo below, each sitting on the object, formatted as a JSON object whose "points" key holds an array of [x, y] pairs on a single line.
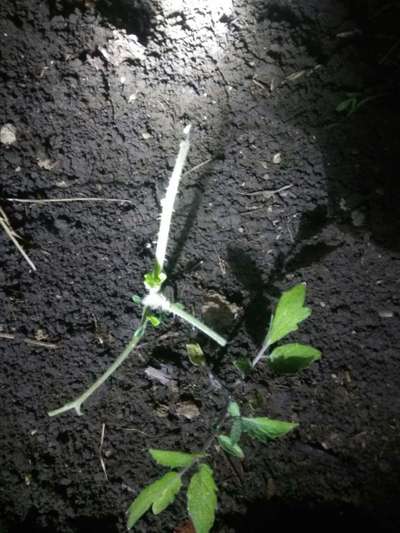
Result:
{"points": [[77, 403], [155, 300], [169, 199], [193, 321], [162, 242]]}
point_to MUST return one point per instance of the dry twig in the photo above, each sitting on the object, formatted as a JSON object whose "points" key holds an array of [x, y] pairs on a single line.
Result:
{"points": [[103, 464], [4, 222], [31, 342], [65, 200]]}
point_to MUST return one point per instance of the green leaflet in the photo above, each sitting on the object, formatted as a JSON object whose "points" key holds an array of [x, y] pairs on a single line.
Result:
{"points": [[233, 449], [233, 409], [154, 320], [174, 459], [265, 429], [288, 313], [236, 431], [136, 299], [155, 278], [195, 354], [349, 105], [290, 358], [159, 495], [202, 499]]}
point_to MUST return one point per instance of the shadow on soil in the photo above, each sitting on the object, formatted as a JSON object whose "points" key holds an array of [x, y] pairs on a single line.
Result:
{"points": [[136, 17], [274, 515]]}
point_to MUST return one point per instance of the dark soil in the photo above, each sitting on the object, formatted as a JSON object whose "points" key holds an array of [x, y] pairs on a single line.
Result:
{"points": [[93, 119]]}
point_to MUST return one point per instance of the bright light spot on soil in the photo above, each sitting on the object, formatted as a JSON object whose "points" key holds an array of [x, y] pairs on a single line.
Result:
{"points": [[218, 8]]}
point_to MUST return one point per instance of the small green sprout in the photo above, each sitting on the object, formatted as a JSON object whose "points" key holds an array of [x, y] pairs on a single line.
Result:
{"points": [[290, 311], [260, 428], [232, 448], [202, 491], [153, 319], [153, 280]]}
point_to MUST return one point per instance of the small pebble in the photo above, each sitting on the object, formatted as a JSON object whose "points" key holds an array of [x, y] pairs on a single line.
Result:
{"points": [[385, 314], [8, 134], [277, 158], [357, 218]]}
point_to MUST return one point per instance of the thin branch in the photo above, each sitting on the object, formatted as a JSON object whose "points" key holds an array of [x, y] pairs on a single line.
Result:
{"points": [[208, 443], [29, 341], [77, 403], [7, 336], [11, 234], [198, 167], [65, 200], [389, 52], [268, 193], [41, 344], [102, 463]]}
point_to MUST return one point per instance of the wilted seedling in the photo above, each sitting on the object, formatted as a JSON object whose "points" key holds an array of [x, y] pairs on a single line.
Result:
{"points": [[154, 301]]}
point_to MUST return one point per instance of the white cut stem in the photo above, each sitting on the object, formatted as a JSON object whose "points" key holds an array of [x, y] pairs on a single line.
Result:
{"points": [[169, 200]]}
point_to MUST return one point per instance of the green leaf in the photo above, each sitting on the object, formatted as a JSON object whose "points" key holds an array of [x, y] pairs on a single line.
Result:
{"points": [[289, 312], [174, 459], [236, 431], [233, 409], [233, 449], [344, 105], [169, 493], [202, 499], [136, 299], [265, 429], [195, 354], [154, 320], [159, 495], [290, 358], [155, 278]]}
